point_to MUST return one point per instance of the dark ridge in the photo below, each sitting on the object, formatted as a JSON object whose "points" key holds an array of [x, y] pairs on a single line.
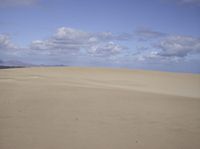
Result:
{"points": [[9, 67]]}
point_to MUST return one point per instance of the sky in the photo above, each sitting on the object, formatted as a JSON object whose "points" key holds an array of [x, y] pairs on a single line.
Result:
{"points": [[159, 35]]}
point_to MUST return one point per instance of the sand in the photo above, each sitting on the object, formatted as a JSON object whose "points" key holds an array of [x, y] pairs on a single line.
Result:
{"points": [[98, 108]]}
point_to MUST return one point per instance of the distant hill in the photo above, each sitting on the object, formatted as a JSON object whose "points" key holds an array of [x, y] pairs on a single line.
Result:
{"points": [[12, 64], [7, 67], [19, 64]]}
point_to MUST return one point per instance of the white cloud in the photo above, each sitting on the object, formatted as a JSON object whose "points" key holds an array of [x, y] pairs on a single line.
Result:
{"points": [[70, 40], [178, 46], [71, 34], [5, 43], [108, 49], [64, 40], [161, 47], [67, 41], [72, 46]]}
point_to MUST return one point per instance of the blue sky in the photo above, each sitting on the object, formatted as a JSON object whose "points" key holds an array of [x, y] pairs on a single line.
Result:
{"points": [[156, 35]]}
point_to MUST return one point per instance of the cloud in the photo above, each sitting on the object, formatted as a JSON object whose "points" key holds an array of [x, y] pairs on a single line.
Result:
{"points": [[162, 47], [11, 3], [178, 46], [54, 46], [108, 49], [71, 34], [8, 50], [66, 43], [76, 47], [146, 34], [66, 40], [71, 41], [6, 44]]}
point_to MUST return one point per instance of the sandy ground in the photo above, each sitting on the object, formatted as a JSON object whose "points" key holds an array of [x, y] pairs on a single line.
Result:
{"points": [[90, 108]]}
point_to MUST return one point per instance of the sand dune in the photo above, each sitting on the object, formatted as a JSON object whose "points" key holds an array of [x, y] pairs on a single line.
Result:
{"points": [[98, 108]]}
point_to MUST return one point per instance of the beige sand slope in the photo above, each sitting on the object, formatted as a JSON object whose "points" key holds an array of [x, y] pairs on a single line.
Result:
{"points": [[90, 108]]}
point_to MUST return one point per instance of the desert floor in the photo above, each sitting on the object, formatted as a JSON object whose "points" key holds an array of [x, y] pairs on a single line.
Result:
{"points": [[98, 108]]}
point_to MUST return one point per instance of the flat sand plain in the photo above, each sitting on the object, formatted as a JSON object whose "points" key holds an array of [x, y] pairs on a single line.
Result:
{"points": [[98, 108]]}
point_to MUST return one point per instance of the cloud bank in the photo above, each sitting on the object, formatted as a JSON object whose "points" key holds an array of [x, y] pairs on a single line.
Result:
{"points": [[71, 41], [72, 46], [178, 46], [166, 46]]}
